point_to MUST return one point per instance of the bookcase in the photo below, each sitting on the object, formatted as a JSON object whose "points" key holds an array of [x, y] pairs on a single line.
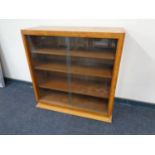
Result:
{"points": [[74, 70]]}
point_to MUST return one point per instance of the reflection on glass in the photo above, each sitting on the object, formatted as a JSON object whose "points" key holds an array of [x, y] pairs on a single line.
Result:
{"points": [[73, 72]]}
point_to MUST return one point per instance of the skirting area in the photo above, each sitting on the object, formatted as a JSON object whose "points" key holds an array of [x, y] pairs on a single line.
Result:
{"points": [[18, 115]]}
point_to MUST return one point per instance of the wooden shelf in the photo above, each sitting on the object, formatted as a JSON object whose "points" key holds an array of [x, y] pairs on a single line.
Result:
{"points": [[75, 70], [82, 87], [105, 54], [78, 70], [79, 102]]}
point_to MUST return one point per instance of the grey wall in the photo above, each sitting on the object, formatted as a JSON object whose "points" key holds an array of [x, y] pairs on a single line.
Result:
{"points": [[136, 79]]}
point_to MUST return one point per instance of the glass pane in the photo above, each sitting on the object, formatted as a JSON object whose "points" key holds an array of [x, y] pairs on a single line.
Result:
{"points": [[73, 72], [49, 58], [91, 68]]}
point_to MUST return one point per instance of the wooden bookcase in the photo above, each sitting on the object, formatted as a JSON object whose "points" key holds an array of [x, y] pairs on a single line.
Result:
{"points": [[74, 70]]}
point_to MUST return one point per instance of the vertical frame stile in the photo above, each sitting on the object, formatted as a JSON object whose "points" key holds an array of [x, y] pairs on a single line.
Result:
{"points": [[29, 60], [115, 73]]}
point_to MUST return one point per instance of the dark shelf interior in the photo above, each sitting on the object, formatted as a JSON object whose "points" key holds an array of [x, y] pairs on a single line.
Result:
{"points": [[73, 72]]}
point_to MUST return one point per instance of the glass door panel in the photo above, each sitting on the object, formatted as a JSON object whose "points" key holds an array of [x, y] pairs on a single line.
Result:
{"points": [[91, 66], [49, 57]]}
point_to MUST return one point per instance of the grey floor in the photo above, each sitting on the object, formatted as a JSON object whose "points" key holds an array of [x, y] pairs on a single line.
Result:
{"points": [[18, 115]]}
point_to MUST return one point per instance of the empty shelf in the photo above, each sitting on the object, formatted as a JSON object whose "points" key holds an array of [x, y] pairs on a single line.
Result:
{"points": [[88, 104], [78, 70], [82, 87], [105, 54]]}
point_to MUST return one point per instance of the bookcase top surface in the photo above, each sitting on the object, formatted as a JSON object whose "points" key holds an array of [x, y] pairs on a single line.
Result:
{"points": [[78, 29], [73, 31]]}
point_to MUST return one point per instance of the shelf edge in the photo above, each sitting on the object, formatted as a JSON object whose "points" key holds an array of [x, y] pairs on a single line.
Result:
{"points": [[104, 118]]}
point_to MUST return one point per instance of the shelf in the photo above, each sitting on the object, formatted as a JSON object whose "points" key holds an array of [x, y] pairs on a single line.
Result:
{"points": [[82, 87], [105, 54], [77, 70], [77, 102]]}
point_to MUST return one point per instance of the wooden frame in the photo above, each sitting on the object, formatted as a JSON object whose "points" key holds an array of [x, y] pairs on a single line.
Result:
{"points": [[102, 33]]}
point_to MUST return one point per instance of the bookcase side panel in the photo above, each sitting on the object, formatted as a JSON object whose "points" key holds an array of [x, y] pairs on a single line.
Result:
{"points": [[29, 60], [115, 73]]}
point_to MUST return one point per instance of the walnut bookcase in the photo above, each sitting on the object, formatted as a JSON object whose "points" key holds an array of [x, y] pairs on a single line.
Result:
{"points": [[74, 70]]}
